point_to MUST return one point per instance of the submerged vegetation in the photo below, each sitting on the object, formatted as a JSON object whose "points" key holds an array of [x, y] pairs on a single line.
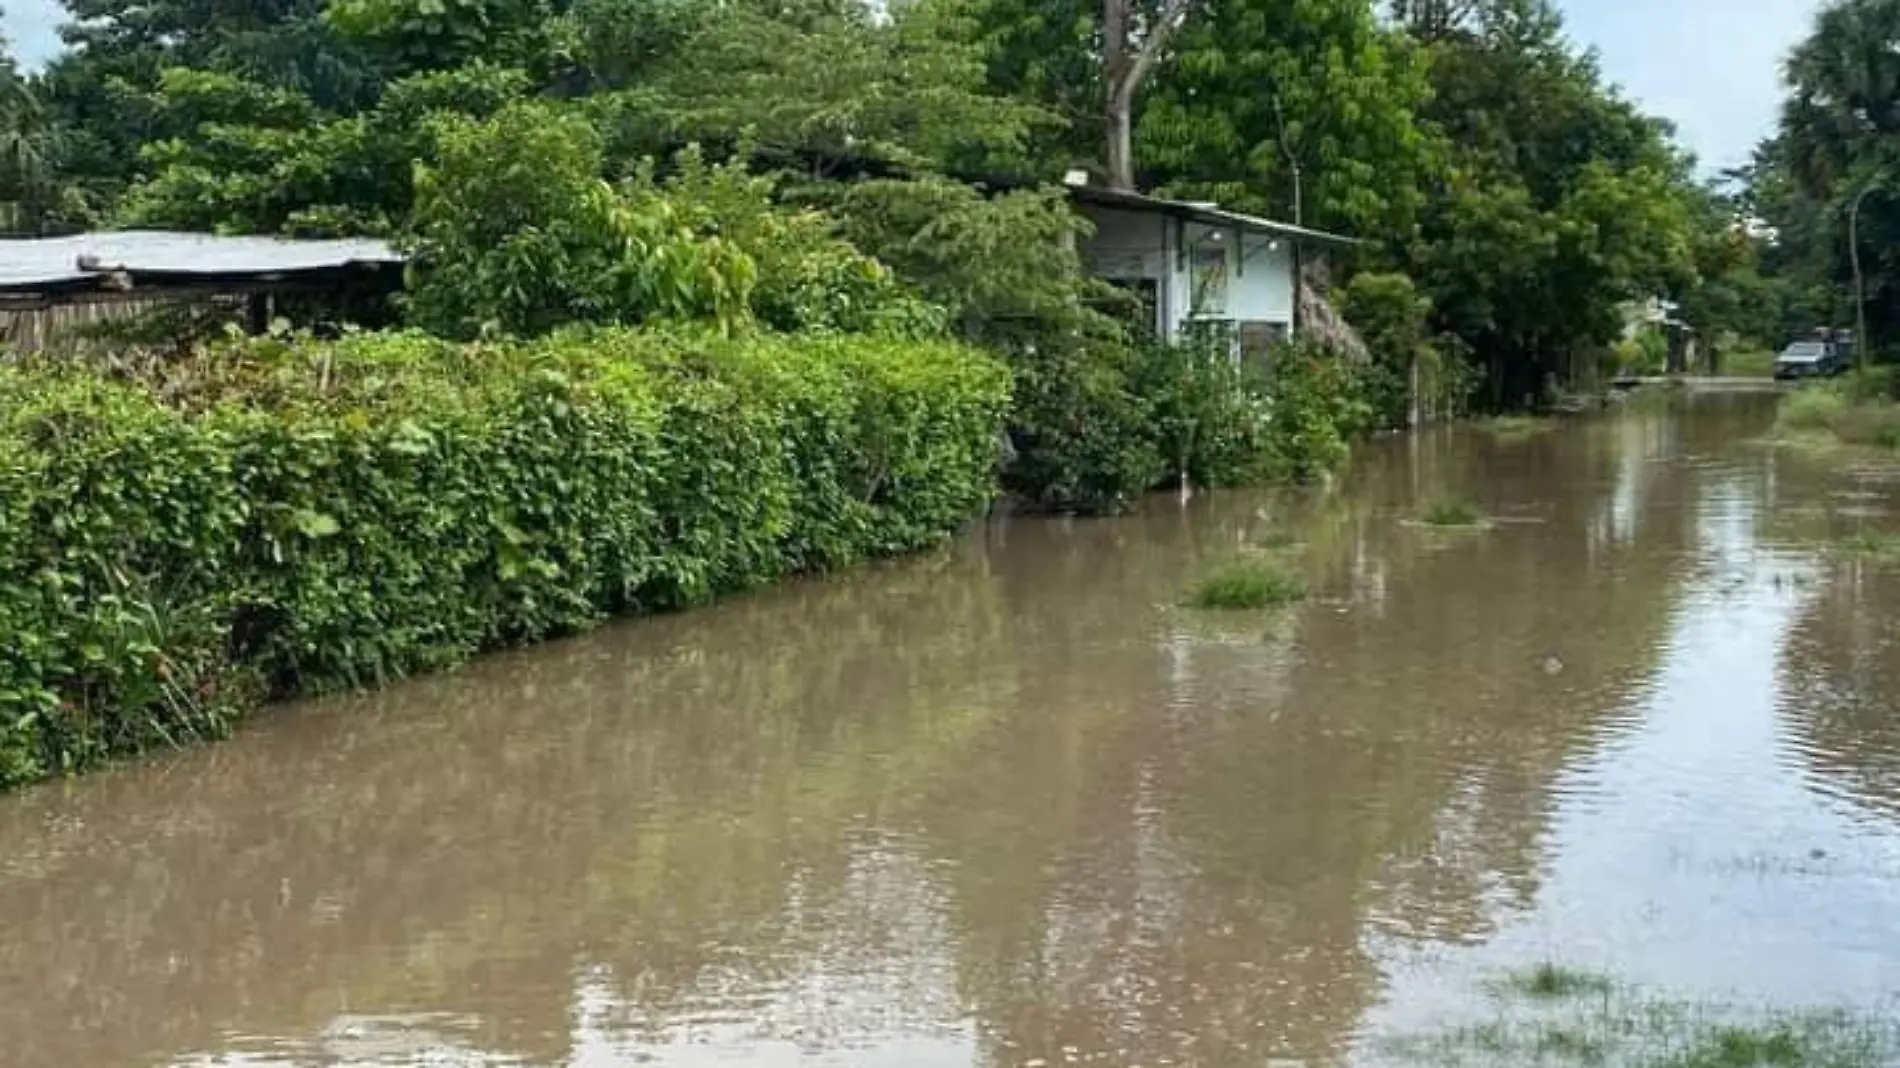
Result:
{"points": [[1856, 410], [1450, 514], [1516, 426], [1870, 543], [1246, 583], [1553, 1015], [1551, 980]]}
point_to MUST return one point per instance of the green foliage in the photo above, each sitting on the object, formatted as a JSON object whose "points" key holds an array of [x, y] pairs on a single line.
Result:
{"points": [[425, 35], [809, 277], [517, 232], [293, 517], [828, 85], [1006, 259], [1315, 409], [1815, 407], [1550, 980], [250, 158], [1450, 514], [1854, 410], [1006, 269], [1247, 583], [1561, 201], [1254, 91], [1208, 413], [1080, 431], [1393, 319], [1644, 354]]}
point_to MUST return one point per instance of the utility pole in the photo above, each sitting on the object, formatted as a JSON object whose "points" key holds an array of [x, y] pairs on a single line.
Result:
{"points": [[1860, 284]]}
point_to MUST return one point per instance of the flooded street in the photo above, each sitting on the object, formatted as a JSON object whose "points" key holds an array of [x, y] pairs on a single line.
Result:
{"points": [[1009, 804]]}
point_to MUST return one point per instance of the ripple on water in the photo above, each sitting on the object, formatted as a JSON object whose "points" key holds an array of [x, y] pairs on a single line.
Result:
{"points": [[1009, 806]]}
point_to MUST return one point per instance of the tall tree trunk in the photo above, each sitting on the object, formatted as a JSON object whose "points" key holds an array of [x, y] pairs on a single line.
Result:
{"points": [[1126, 62], [1121, 143]]}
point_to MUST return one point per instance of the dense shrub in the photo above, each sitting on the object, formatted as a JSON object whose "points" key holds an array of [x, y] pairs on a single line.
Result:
{"points": [[1816, 407], [1082, 436], [1316, 406], [516, 232], [1857, 409], [1209, 413], [295, 517], [1393, 318]]}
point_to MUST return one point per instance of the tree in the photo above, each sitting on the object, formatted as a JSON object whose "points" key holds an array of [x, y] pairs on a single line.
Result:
{"points": [[1560, 202], [1132, 42], [830, 89], [517, 232], [1431, 20], [1298, 109], [1838, 146]]}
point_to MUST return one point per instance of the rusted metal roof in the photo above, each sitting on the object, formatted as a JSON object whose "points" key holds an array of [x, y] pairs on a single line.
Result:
{"points": [[129, 257]]}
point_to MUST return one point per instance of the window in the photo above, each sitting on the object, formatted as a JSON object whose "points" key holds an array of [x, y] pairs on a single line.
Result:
{"points": [[1208, 279]]}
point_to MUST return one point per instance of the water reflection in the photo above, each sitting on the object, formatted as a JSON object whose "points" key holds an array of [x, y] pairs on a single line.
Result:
{"points": [[1006, 803]]}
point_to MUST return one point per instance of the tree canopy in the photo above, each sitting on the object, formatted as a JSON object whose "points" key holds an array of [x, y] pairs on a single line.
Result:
{"points": [[1469, 142]]}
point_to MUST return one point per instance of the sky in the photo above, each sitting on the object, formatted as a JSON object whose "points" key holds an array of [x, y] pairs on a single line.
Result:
{"points": [[1711, 66]]}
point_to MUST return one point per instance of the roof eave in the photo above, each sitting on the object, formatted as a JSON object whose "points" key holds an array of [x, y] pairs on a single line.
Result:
{"points": [[1206, 215]]}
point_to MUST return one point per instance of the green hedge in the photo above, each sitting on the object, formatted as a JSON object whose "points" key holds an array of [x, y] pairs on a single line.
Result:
{"points": [[182, 542]]}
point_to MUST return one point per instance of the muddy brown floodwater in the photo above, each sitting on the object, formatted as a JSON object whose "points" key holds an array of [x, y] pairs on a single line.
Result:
{"points": [[1009, 805]]}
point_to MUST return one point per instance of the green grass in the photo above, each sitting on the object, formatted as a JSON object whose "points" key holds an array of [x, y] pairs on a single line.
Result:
{"points": [[1548, 980], [1857, 409], [1813, 407], [1515, 426], [1872, 543], [1749, 363], [1246, 584], [1552, 1015], [1744, 1047], [1450, 514]]}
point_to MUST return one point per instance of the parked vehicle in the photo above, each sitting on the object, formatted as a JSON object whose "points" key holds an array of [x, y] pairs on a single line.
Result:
{"points": [[1810, 359]]}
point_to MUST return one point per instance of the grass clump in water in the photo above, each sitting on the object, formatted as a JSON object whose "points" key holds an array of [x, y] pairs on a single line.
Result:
{"points": [[1516, 426], [1554, 981], [1745, 1047], [1245, 584], [1856, 410], [1872, 543], [1450, 514], [1813, 408], [1545, 1018]]}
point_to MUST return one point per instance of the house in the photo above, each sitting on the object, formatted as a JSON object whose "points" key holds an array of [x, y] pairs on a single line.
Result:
{"points": [[1195, 266], [53, 288]]}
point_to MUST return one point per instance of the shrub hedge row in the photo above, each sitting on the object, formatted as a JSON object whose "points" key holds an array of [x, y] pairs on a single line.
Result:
{"points": [[182, 541]]}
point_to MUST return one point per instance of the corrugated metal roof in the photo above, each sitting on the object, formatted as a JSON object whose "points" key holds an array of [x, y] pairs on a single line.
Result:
{"points": [[33, 263], [1209, 214]]}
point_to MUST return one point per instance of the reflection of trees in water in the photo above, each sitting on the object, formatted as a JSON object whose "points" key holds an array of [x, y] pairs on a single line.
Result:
{"points": [[1014, 780], [1838, 681], [431, 847]]}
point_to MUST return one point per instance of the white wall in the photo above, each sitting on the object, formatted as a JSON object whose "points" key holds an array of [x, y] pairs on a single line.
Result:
{"points": [[1132, 244], [1259, 275]]}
